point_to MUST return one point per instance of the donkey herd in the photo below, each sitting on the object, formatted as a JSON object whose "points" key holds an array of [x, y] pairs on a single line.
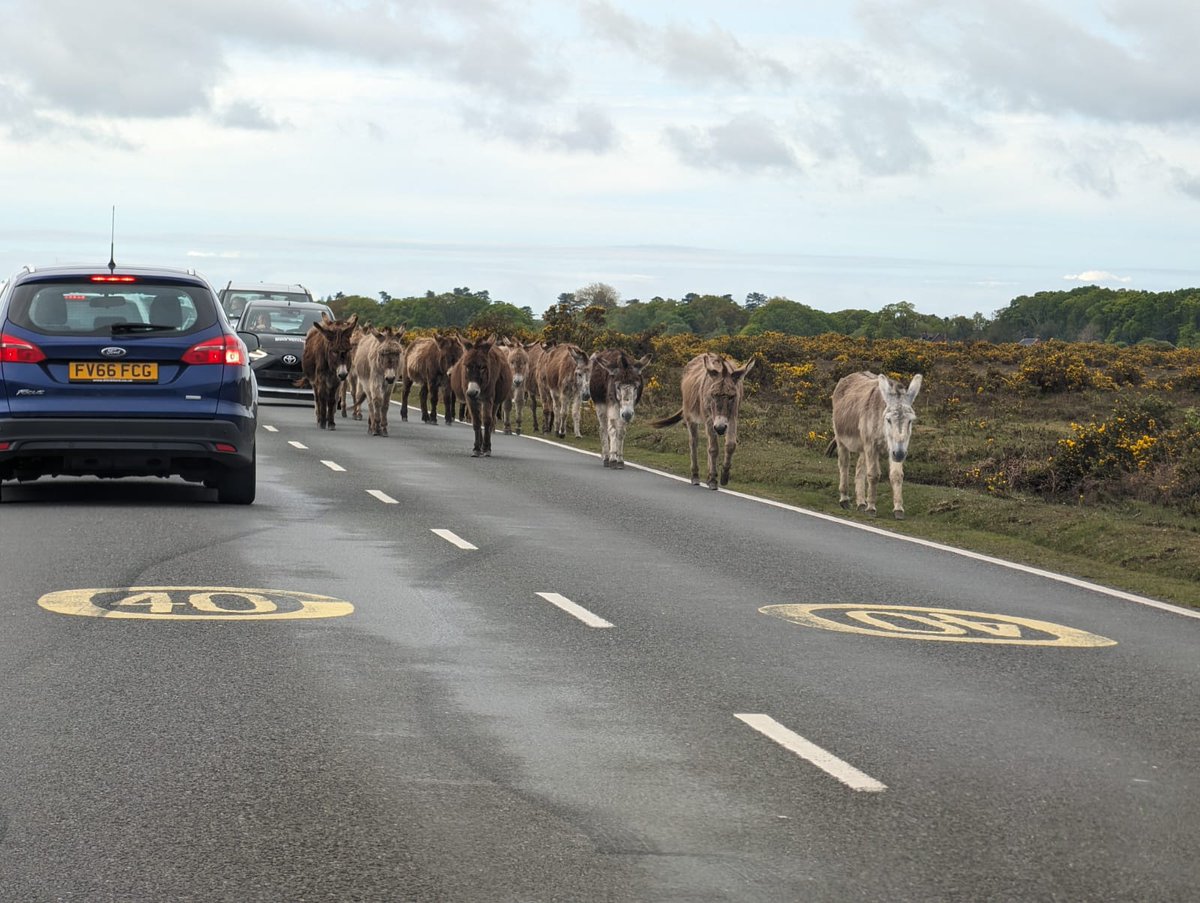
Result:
{"points": [[483, 381]]}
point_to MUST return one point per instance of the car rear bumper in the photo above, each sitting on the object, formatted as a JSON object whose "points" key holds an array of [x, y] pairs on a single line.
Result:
{"points": [[122, 447]]}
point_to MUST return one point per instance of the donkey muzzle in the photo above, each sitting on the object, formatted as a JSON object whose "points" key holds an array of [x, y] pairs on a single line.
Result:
{"points": [[473, 390], [627, 415]]}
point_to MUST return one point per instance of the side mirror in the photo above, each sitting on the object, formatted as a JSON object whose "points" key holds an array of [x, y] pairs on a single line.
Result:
{"points": [[250, 339]]}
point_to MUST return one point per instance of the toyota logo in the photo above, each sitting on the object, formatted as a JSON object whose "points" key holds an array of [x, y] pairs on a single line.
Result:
{"points": [[290, 359], [113, 351]]}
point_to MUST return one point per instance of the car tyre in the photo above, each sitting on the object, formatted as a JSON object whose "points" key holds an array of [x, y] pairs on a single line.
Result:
{"points": [[236, 485]]}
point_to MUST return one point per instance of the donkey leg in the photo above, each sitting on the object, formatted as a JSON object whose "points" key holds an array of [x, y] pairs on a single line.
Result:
{"points": [[605, 430], [731, 441], [693, 440], [713, 448], [860, 481], [404, 399], [872, 481], [576, 407], [896, 477], [616, 441], [843, 457]]}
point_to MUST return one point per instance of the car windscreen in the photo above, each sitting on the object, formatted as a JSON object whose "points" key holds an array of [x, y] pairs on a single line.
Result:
{"points": [[235, 300], [263, 319], [66, 308]]}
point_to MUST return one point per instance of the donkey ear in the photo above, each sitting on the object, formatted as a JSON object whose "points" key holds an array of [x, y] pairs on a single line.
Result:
{"points": [[740, 373], [353, 320], [886, 389], [643, 362], [913, 388]]}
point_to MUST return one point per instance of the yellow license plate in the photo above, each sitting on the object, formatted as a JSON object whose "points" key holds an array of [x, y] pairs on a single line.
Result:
{"points": [[113, 372]]}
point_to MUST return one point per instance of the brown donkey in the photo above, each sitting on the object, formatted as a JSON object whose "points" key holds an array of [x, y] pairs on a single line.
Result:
{"points": [[378, 361], [486, 380], [563, 375], [326, 363], [712, 393], [429, 360]]}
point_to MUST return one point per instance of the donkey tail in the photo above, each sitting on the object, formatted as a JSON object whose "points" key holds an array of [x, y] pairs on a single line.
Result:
{"points": [[831, 448], [301, 383], [668, 421]]}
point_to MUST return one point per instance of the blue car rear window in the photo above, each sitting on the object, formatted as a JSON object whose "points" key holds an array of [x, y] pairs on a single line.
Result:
{"points": [[66, 309]]}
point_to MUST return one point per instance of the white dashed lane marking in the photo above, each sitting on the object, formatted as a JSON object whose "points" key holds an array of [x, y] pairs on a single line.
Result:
{"points": [[810, 752], [575, 611], [334, 466], [270, 429], [300, 445], [455, 539], [382, 496]]}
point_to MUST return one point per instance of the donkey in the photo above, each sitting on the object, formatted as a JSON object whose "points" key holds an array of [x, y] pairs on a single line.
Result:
{"points": [[564, 375], [615, 384], [428, 362], [872, 414], [378, 360], [487, 383], [712, 393], [351, 383], [518, 361], [326, 362], [537, 352]]}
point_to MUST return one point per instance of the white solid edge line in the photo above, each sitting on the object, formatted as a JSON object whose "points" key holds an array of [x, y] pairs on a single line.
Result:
{"points": [[576, 611], [334, 466], [810, 752], [453, 538], [382, 496], [270, 429], [294, 444], [915, 540]]}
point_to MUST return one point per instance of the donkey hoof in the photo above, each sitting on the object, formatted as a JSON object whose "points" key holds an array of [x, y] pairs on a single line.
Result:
{"points": [[712, 484], [695, 481], [898, 514], [508, 432], [862, 506], [476, 453], [871, 512], [845, 503], [618, 465], [607, 463]]}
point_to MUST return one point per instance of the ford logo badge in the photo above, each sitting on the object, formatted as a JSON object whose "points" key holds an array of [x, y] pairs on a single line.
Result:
{"points": [[113, 351]]}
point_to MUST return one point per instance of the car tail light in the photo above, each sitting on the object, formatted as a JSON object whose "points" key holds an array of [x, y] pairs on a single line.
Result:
{"points": [[114, 279], [19, 351], [226, 448], [224, 349]]}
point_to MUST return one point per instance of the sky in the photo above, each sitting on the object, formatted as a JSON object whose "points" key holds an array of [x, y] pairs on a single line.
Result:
{"points": [[952, 154]]}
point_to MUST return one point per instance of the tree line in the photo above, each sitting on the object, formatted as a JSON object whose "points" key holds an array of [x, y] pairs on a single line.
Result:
{"points": [[1084, 314]]}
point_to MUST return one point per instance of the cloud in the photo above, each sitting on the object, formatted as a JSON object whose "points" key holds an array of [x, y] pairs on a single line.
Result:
{"points": [[587, 130], [72, 56], [1025, 56], [245, 114], [747, 142], [1096, 277], [1186, 182], [709, 57]]}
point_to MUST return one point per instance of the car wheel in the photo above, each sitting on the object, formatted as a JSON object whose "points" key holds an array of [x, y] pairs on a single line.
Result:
{"points": [[236, 485]]}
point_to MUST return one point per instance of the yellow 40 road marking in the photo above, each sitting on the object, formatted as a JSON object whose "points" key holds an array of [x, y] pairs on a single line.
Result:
{"points": [[194, 603], [916, 622]]}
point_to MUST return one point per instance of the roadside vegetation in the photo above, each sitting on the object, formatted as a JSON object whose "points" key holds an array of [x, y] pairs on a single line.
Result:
{"points": [[1081, 457]]}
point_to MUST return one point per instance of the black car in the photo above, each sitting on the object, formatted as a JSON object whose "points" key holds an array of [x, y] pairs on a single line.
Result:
{"points": [[124, 372], [278, 329]]}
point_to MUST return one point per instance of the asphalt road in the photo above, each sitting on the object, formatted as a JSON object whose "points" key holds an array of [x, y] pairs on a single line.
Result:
{"points": [[685, 724]]}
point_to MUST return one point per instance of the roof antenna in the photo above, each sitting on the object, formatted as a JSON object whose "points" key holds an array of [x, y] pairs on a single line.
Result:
{"points": [[112, 243]]}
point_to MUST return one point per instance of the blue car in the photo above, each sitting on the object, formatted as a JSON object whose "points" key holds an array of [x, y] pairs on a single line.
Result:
{"points": [[131, 371]]}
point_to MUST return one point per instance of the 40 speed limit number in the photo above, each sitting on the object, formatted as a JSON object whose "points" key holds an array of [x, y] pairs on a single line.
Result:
{"points": [[194, 603]]}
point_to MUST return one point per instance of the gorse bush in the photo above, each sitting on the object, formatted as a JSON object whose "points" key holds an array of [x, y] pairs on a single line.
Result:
{"points": [[1081, 423]]}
